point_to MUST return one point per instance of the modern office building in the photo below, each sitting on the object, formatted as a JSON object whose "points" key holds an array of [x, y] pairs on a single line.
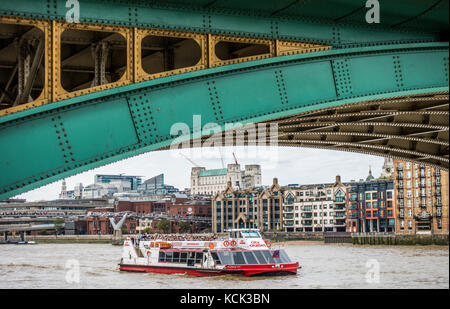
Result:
{"points": [[156, 186], [315, 207], [122, 182], [250, 208], [371, 206], [210, 182], [422, 194], [99, 191]]}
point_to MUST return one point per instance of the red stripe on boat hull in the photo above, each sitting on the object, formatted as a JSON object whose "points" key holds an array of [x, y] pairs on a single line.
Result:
{"points": [[245, 270]]}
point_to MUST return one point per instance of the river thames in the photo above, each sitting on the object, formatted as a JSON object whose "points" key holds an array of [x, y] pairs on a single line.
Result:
{"points": [[323, 266]]}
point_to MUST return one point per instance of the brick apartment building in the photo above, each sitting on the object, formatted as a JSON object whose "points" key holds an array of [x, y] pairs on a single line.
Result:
{"points": [[422, 194], [371, 206], [142, 207]]}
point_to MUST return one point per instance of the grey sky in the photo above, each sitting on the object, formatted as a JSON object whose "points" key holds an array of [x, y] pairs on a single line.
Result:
{"points": [[289, 165]]}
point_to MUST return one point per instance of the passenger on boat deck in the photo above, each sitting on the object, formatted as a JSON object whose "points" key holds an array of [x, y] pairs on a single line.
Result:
{"points": [[183, 237]]}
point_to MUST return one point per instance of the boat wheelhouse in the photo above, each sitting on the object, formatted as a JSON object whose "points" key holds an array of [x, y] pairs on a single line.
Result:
{"points": [[243, 252]]}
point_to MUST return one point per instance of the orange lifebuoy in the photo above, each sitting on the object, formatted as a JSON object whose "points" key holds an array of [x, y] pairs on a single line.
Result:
{"points": [[226, 243], [211, 245], [233, 243], [268, 244]]}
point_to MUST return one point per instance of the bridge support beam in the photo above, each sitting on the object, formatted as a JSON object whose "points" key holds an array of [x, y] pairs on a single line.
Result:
{"points": [[30, 57], [100, 52]]}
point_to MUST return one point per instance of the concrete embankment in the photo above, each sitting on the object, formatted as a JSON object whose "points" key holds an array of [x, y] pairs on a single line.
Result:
{"points": [[360, 239], [400, 240], [69, 239], [356, 239], [291, 236]]}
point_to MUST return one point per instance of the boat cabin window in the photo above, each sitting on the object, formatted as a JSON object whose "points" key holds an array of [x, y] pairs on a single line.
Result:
{"points": [[198, 257], [268, 256], [176, 257], [183, 257], [250, 234], [239, 258], [180, 257], [215, 256], [284, 257], [260, 258], [226, 258], [250, 258]]}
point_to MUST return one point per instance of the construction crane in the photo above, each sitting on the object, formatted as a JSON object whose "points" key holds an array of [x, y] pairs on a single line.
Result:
{"points": [[193, 163], [235, 160], [221, 157]]}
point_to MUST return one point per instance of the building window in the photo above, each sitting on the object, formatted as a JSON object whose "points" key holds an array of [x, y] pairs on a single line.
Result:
{"points": [[409, 224]]}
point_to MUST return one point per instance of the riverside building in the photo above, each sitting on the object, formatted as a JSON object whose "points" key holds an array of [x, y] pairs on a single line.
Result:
{"points": [[315, 208], [422, 194], [210, 182], [250, 208], [371, 206]]}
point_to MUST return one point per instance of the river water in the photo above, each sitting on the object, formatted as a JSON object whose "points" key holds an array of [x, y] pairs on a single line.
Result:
{"points": [[323, 266]]}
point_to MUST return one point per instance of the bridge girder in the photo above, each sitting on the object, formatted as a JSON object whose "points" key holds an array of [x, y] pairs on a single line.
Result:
{"points": [[315, 98], [76, 59], [392, 137], [324, 76]]}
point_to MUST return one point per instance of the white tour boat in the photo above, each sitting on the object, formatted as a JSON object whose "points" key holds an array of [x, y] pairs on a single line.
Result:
{"points": [[243, 252]]}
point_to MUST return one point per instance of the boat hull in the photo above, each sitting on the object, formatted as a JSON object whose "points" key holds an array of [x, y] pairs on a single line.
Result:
{"points": [[244, 270]]}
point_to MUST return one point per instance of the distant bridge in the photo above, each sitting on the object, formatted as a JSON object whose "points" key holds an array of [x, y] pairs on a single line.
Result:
{"points": [[76, 96]]}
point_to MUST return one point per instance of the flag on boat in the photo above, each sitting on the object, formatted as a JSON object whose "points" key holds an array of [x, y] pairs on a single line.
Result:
{"points": [[276, 254]]}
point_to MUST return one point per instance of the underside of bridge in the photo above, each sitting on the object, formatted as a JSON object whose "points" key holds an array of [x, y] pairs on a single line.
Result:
{"points": [[413, 127], [136, 77]]}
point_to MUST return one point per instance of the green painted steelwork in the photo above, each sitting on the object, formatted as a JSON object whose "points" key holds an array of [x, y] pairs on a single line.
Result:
{"points": [[57, 140], [340, 23]]}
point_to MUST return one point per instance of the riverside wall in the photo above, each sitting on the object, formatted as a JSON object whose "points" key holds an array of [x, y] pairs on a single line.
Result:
{"points": [[356, 239]]}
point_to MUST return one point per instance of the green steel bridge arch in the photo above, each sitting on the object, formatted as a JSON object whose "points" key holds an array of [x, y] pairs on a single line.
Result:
{"points": [[381, 90]]}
